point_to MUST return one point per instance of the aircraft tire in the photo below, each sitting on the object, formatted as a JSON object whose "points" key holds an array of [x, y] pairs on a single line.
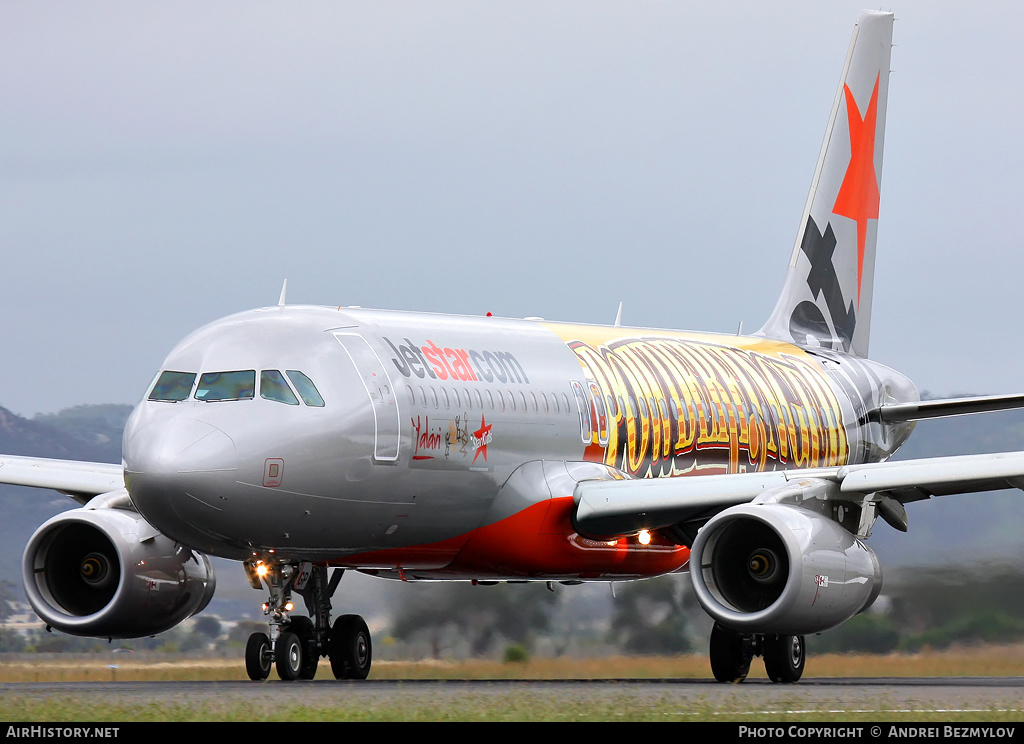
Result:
{"points": [[288, 656], [257, 657], [784, 658], [303, 627], [351, 652], [730, 661]]}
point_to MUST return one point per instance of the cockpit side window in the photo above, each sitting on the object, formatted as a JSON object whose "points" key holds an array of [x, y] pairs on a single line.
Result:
{"points": [[215, 386], [172, 386], [274, 387], [305, 388]]}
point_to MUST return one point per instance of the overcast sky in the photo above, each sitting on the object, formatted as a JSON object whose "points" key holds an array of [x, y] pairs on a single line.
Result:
{"points": [[165, 164]]}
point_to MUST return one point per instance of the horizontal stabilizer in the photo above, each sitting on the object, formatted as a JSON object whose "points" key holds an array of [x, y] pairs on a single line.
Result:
{"points": [[926, 409]]}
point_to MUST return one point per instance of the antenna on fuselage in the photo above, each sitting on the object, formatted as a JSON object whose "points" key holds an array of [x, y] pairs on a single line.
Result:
{"points": [[618, 316], [284, 291]]}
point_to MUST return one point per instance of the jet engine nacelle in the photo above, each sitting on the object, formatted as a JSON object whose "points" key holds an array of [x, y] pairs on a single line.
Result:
{"points": [[105, 572], [777, 568]]}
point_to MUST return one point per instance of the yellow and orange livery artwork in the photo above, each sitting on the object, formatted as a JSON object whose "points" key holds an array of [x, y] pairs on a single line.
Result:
{"points": [[669, 404]]}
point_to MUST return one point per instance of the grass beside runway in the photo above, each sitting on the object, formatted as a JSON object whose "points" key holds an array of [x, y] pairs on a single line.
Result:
{"points": [[616, 702], [972, 661]]}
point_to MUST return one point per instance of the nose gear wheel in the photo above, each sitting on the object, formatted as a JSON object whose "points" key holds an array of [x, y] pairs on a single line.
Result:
{"points": [[258, 656]]}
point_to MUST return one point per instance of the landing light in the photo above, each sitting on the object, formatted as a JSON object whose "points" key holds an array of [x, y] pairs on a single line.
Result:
{"points": [[644, 537], [261, 570]]}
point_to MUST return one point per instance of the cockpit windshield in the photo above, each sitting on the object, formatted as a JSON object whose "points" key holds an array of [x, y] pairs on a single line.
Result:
{"points": [[306, 389], [173, 386], [215, 386], [274, 387]]}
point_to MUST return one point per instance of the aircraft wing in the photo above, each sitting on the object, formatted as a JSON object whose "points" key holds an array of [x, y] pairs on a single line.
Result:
{"points": [[79, 480], [622, 507]]}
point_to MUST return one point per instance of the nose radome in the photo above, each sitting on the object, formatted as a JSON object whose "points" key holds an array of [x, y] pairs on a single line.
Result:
{"points": [[181, 445], [177, 471]]}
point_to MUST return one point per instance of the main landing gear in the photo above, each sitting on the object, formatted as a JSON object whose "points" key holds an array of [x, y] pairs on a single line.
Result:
{"points": [[731, 652], [295, 642]]}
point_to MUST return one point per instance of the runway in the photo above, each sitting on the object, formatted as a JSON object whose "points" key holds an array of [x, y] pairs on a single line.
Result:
{"points": [[880, 699]]}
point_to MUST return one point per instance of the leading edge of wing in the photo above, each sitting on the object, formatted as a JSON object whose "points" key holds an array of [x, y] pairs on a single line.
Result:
{"points": [[911, 480], [80, 480], [622, 507], [609, 508]]}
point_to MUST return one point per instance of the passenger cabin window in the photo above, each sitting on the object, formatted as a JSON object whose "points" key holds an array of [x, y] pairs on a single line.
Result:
{"points": [[305, 388], [218, 386], [274, 387], [173, 386]]}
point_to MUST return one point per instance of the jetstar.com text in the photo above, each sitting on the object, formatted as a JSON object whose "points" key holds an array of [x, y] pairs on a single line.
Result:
{"points": [[444, 363]]}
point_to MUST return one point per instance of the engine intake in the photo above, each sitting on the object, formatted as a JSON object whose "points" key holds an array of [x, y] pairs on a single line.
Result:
{"points": [[777, 568], [105, 572]]}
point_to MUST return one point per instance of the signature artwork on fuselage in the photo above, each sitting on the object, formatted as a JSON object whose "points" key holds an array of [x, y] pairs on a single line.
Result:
{"points": [[439, 441], [666, 405], [456, 441]]}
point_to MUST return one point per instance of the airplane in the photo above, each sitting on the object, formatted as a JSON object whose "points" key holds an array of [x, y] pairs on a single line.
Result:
{"points": [[307, 441]]}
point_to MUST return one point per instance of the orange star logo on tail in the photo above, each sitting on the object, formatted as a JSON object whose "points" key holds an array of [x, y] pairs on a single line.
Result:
{"points": [[858, 196]]}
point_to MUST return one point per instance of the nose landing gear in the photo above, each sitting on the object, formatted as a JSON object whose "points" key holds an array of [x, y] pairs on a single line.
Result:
{"points": [[296, 643]]}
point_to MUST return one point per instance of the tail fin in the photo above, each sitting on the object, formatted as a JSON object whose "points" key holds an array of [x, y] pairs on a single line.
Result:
{"points": [[826, 297]]}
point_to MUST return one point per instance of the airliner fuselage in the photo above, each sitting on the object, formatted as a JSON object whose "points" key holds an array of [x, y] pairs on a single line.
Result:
{"points": [[401, 460]]}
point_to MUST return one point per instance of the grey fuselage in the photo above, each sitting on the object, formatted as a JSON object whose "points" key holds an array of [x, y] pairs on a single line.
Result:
{"points": [[425, 417]]}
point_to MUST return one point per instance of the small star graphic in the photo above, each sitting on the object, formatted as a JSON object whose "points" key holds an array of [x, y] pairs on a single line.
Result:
{"points": [[481, 438]]}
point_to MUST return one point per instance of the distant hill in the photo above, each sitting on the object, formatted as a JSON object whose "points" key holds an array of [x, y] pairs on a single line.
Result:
{"points": [[80, 433]]}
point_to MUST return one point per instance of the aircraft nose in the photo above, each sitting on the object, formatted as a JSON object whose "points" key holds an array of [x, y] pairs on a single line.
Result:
{"points": [[181, 445], [177, 472]]}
